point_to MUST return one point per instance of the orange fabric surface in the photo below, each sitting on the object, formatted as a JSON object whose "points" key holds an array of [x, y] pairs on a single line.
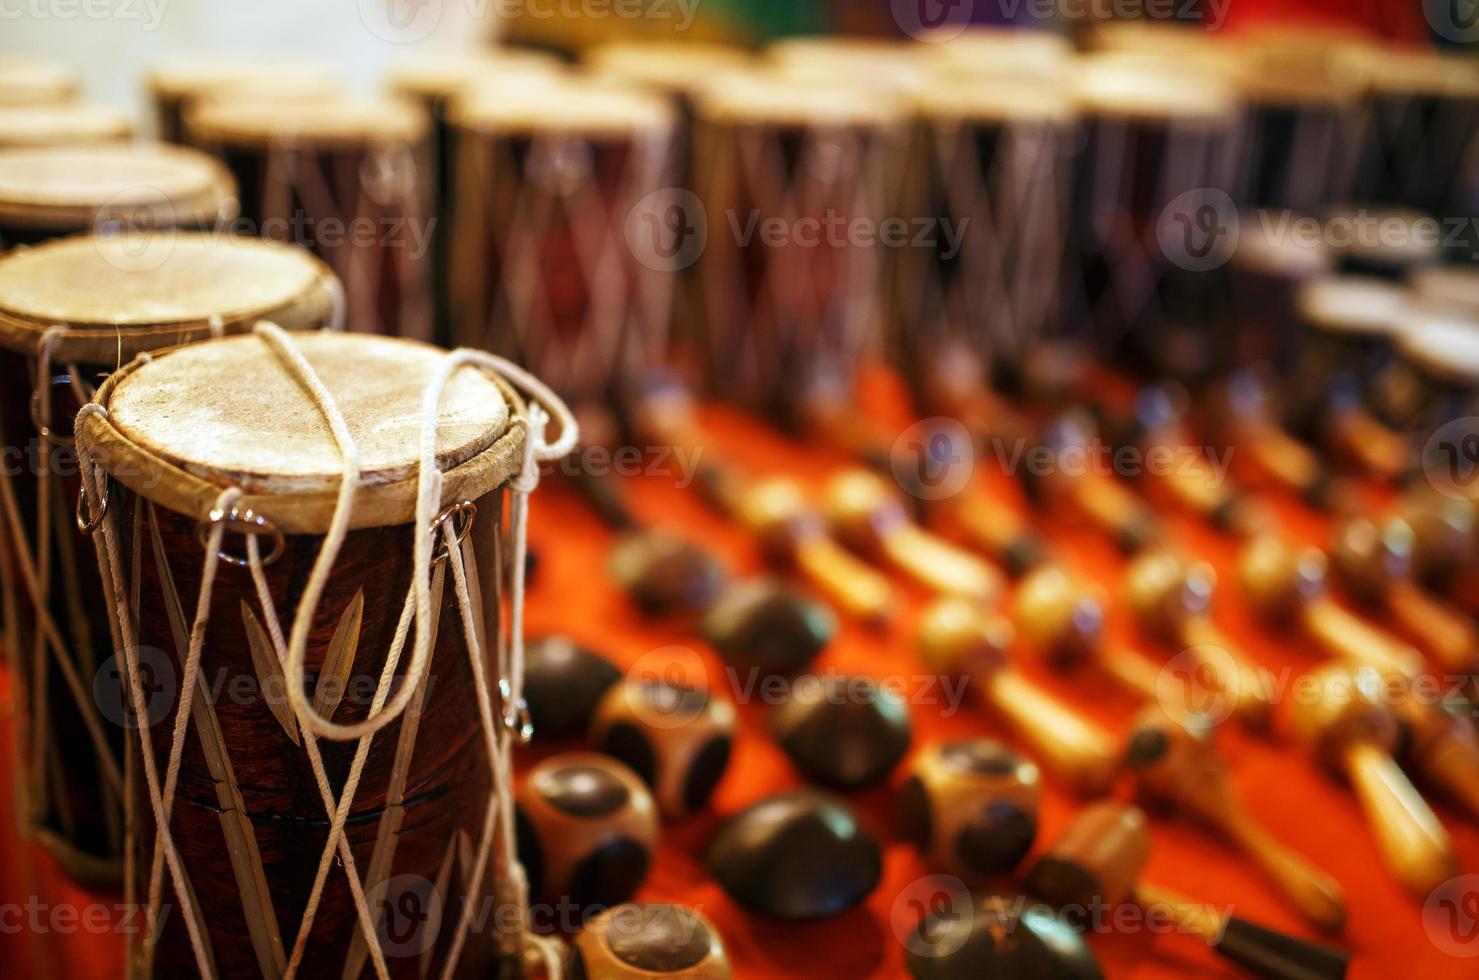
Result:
{"points": [[1305, 808]]}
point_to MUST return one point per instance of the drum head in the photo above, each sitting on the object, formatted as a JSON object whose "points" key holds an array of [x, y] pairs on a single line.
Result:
{"points": [[317, 122], [773, 97], [664, 65], [72, 187], [229, 412], [441, 75], [181, 77], [1135, 86], [571, 106], [1442, 344], [150, 291], [1448, 285], [1352, 305], [27, 80], [60, 124]]}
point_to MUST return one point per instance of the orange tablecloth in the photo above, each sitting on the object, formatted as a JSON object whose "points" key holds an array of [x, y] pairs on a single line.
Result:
{"points": [[1307, 809]]}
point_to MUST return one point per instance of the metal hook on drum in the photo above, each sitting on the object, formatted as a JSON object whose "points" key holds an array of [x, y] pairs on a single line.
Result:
{"points": [[461, 528], [253, 523]]}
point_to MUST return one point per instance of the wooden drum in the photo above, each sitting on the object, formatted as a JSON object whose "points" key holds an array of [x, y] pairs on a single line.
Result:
{"points": [[1159, 137], [70, 312], [994, 160], [173, 84], [342, 618], [30, 80], [352, 181], [795, 179], [46, 192], [544, 270]]}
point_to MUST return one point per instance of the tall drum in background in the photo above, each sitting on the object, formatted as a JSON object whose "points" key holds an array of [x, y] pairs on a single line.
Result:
{"points": [[547, 257], [992, 163], [323, 828], [175, 83], [62, 124], [47, 192], [1160, 145], [350, 180], [70, 312], [794, 181], [30, 80]]}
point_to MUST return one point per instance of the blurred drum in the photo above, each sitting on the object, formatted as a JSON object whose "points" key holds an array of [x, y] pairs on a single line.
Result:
{"points": [[1011, 54], [1269, 265], [32, 80], [285, 836], [62, 124], [993, 161], [350, 180], [1437, 368], [796, 182], [1384, 242], [436, 81], [46, 192], [552, 264], [71, 311], [176, 82], [1455, 286], [1160, 146]]}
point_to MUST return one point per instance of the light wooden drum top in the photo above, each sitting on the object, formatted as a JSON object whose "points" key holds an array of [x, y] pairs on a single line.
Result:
{"points": [[668, 66], [310, 123], [772, 99], [126, 294], [1152, 88], [1001, 51], [977, 98], [1444, 344], [573, 106], [1356, 306], [1397, 71], [26, 80], [61, 123], [64, 187], [1448, 285], [194, 420]]}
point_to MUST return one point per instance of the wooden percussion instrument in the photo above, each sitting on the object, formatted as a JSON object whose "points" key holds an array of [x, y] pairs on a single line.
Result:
{"points": [[1170, 600], [174, 84], [1422, 110], [868, 517], [1287, 588], [959, 638], [1157, 129], [1447, 286], [991, 165], [1265, 272], [1010, 53], [63, 124], [49, 191], [1436, 377], [1352, 731], [543, 268], [437, 82], [1096, 865], [261, 512], [1443, 537], [1179, 767], [33, 80], [1373, 563], [790, 295], [350, 180], [71, 311], [1064, 625]]}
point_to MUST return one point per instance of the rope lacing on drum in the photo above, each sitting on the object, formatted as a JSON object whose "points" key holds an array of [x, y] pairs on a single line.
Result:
{"points": [[499, 736]]}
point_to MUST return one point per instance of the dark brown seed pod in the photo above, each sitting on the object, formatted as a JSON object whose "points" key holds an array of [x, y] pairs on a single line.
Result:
{"points": [[842, 731], [635, 942]]}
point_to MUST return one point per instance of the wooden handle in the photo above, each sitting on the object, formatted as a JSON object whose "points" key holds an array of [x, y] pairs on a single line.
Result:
{"points": [[1376, 449], [1447, 635], [939, 565], [1203, 920], [1353, 641], [1283, 458], [1134, 671], [1445, 750], [1075, 748], [1310, 890], [1112, 508], [1412, 842], [1195, 486], [1241, 678], [849, 583]]}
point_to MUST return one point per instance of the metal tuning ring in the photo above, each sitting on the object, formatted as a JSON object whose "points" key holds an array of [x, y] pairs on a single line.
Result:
{"points": [[461, 515], [87, 525], [246, 521]]}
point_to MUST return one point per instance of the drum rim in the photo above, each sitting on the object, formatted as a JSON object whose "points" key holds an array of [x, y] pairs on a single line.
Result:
{"points": [[177, 81], [210, 205], [1423, 320], [653, 114], [42, 80], [79, 122], [1367, 322], [160, 481], [97, 342], [386, 120]]}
